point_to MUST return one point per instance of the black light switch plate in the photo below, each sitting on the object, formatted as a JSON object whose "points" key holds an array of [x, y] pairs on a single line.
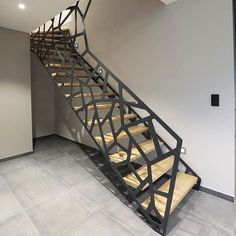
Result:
{"points": [[215, 100]]}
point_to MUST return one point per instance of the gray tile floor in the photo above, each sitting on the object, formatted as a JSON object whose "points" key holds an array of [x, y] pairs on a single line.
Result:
{"points": [[58, 191]]}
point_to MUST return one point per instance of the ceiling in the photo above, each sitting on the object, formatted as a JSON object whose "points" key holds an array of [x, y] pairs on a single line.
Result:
{"points": [[36, 13]]}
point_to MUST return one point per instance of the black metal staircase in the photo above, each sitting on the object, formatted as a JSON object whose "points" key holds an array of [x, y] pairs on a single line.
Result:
{"points": [[126, 131]]}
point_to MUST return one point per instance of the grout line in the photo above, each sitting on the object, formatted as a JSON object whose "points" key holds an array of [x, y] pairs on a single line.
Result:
{"points": [[89, 215], [68, 189], [23, 211], [118, 221]]}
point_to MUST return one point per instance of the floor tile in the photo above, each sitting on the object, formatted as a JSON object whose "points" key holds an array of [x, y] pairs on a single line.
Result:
{"points": [[57, 214], [185, 224], [80, 157], [18, 225], [3, 186], [59, 164], [22, 176], [38, 191], [94, 191], [46, 156], [117, 210], [98, 224], [210, 209], [73, 151], [15, 164], [9, 206], [89, 166], [73, 175]]}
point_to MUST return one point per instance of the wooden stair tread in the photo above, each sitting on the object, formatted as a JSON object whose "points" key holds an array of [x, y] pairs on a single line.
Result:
{"points": [[61, 49], [158, 169], [53, 53], [184, 184], [99, 106], [81, 74], [134, 130], [48, 36], [90, 95], [62, 46], [114, 118], [78, 84], [49, 40], [55, 32], [59, 65], [147, 147]]}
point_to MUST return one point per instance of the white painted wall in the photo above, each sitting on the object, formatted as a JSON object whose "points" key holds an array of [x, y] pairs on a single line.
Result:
{"points": [[43, 99], [15, 94], [174, 57], [67, 124]]}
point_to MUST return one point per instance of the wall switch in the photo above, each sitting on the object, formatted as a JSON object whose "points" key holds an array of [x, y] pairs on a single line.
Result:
{"points": [[215, 100], [183, 150]]}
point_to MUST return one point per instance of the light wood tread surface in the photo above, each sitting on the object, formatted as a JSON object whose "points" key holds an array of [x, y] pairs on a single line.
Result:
{"points": [[184, 184], [50, 40], [59, 65], [90, 95], [99, 106], [114, 118], [77, 84], [158, 169], [81, 74], [146, 146], [56, 32], [134, 130], [49, 36]]}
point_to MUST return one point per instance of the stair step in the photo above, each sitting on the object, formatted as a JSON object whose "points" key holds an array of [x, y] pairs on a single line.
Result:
{"points": [[114, 118], [53, 49], [58, 46], [58, 65], [147, 147], [53, 53], [82, 74], [134, 130], [90, 95], [49, 37], [49, 40], [99, 106], [77, 84], [55, 32], [158, 169], [184, 184], [62, 46]]}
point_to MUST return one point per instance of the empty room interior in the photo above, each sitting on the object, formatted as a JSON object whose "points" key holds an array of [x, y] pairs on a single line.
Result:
{"points": [[117, 118]]}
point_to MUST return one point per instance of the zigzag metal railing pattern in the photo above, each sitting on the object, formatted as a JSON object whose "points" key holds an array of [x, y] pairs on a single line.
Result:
{"points": [[76, 69]]}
